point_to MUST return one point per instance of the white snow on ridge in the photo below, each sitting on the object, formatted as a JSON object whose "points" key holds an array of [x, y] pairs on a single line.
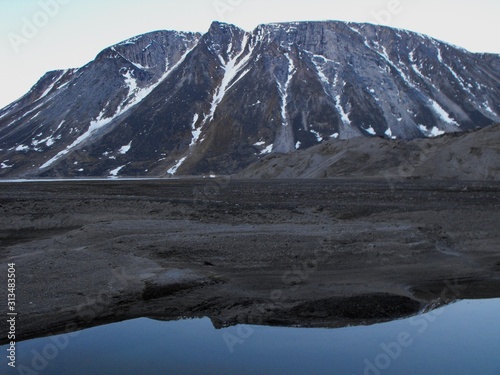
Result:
{"points": [[321, 57], [487, 107], [267, 150], [142, 67], [4, 165], [130, 40], [327, 84], [195, 136], [49, 89], [231, 70], [370, 130], [115, 172], [283, 89], [388, 133], [319, 137], [137, 65], [177, 165], [355, 30], [411, 56], [423, 129], [95, 125], [453, 73], [61, 124], [131, 83], [22, 148], [101, 122], [457, 77], [49, 141], [434, 132], [26, 114], [443, 115], [439, 55], [417, 70], [382, 52], [321, 74], [196, 133], [343, 115], [63, 85], [125, 149], [403, 75]]}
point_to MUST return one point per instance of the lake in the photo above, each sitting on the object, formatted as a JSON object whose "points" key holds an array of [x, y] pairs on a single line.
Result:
{"points": [[462, 338]]}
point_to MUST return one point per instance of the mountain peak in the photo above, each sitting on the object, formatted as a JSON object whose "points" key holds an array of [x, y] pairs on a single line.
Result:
{"points": [[169, 102], [218, 27]]}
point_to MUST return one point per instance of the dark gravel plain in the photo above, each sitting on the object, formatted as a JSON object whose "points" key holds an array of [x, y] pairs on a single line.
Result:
{"points": [[326, 253]]}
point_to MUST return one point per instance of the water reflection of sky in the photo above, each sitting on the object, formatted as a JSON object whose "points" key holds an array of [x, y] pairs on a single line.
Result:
{"points": [[463, 338]]}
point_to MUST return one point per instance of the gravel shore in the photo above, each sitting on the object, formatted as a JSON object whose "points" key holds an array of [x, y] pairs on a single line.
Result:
{"points": [[326, 253]]}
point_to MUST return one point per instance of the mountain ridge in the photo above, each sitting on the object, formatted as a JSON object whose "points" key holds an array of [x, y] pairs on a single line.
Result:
{"points": [[168, 102]]}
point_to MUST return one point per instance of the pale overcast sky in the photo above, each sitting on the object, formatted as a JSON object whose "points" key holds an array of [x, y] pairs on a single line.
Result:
{"points": [[41, 35]]}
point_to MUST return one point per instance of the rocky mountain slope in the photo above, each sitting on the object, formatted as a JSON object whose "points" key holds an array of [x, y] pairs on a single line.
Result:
{"points": [[458, 156], [172, 103]]}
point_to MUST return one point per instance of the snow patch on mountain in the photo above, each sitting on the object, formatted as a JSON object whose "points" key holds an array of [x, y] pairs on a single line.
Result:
{"points": [[267, 150], [388, 133], [177, 165], [195, 132], [370, 130], [331, 89], [22, 148], [124, 149], [487, 107], [115, 172], [443, 115], [26, 114], [284, 86], [4, 165], [285, 140], [55, 80], [284, 89], [343, 114], [432, 133], [100, 122], [236, 62], [49, 141], [318, 136]]}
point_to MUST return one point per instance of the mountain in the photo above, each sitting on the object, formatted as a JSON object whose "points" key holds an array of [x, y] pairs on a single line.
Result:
{"points": [[176, 103], [472, 156]]}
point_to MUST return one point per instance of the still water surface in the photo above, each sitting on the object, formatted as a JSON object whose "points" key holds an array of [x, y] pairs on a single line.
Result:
{"points": [[459, 339]]}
